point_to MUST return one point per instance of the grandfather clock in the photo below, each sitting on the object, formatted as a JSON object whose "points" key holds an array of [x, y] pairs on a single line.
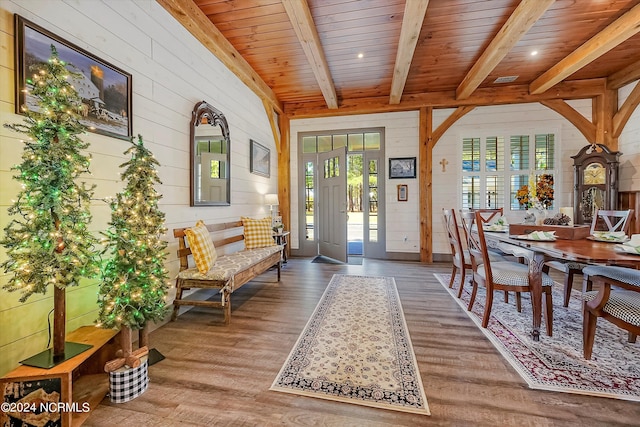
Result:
{"points": [[595, 181]]}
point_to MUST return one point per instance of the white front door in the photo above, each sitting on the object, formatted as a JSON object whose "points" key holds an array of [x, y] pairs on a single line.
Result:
{"points": [[332, 204]]}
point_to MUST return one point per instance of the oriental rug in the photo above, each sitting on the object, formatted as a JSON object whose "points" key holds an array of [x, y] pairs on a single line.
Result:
{"points": [[356, 349], [556, 363]]}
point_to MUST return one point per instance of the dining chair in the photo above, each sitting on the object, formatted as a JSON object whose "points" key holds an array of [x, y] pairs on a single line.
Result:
{"points": [[468, 219], [488, 215], [502, 275], [603, 220], [615, 298], [460, 256]]}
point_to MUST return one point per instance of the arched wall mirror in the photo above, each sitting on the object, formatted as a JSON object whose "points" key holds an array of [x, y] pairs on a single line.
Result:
{"points": [[210, 157]]}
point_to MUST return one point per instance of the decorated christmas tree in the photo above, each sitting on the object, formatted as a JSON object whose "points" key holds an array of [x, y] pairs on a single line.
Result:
{"points": [[47, 240], [134, 280]]}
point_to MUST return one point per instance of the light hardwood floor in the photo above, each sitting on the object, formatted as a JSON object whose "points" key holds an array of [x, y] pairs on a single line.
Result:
{"points": [[217, 375]]}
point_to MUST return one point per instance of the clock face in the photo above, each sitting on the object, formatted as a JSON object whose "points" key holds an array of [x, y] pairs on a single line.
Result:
{"points": [[594, 173]]}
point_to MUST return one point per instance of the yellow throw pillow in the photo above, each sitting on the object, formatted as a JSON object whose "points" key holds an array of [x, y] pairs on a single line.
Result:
{"points": [[257, 233], [202, 249]]}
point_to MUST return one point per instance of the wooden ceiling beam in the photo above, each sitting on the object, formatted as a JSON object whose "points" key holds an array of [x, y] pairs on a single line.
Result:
{"points": [[583, 124], [449, 121], [414, 12], [625, 76], [621, 118], [614, 34], [520, 21], [196, 22], [513, 94], [274, 123], [305, 29]]}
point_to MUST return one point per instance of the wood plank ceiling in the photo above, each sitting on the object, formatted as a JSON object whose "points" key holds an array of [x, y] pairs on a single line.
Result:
{"points": [[327, 57]]}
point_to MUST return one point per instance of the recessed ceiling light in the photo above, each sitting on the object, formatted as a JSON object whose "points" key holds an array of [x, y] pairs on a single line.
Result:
{"points": [[534, 52], [361, 55]]}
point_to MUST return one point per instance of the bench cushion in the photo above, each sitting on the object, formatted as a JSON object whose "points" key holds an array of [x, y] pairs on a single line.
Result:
{"points": [[226, 266], [202, 249]]}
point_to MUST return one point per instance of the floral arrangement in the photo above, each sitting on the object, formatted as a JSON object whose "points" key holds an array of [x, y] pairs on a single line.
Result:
{"points": [[536, 195]]}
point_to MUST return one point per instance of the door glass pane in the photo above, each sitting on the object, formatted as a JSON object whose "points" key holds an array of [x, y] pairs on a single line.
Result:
{"points": [[471, 154], [373, 200], [336, 166], [309, 200], [519, 152], [202, 147], [339, 141], [215, 169], [354, 183], [308, 144], [324, 143], [356, 142], [372, 141], [355, 200], [470, 192]]}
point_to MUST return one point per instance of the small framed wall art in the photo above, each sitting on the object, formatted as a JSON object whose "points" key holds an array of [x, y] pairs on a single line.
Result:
{"points": [[403, 192], [260, 159], [402, 167]]}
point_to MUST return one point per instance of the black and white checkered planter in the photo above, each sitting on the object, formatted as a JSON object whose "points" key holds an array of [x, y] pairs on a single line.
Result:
{"points": [[126, 384]]}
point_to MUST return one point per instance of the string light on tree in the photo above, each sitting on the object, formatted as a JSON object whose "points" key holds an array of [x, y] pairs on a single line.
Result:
{"points": [[134, 281], [47, 239]]}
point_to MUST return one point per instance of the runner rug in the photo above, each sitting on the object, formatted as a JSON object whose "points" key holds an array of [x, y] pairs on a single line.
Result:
{"points": [[356, 348], [557, 363]]}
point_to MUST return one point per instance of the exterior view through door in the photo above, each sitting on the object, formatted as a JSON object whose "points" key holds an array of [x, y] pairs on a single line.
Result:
{"points": [[342, 198]]}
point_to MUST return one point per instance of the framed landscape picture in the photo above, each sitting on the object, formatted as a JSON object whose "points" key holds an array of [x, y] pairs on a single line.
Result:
{"points": [[105, 89], [402, 167], [260, 159]]}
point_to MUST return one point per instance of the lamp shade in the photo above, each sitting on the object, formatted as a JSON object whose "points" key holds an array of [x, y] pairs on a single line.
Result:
{"points": [[271, 199]]}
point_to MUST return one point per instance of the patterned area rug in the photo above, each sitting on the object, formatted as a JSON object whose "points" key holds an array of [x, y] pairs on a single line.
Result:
{"points": [[556, 363], [356, 348]]}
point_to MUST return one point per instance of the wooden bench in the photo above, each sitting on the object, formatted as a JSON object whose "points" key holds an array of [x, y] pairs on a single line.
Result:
{"points": [[229, 272]]}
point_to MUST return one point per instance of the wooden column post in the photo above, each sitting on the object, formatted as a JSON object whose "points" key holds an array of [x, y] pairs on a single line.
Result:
{"points": [[425, 182], [284, 175], [605, 107]]}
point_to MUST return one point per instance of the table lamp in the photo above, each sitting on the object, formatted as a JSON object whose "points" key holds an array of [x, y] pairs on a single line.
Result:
{"points": [[271, 200]]}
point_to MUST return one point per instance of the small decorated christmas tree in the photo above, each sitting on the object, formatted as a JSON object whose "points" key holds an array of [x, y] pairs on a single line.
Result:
{"points": [[134, 280], [47, 240]]}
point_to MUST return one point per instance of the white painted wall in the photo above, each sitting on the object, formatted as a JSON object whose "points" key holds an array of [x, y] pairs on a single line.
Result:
{"points": [[629, 146], [501, 119], [171, 73], [402, 140]]}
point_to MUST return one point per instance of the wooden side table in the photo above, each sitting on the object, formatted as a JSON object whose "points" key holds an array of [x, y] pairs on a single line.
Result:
{"points": [[77, 385], [283, 239]]}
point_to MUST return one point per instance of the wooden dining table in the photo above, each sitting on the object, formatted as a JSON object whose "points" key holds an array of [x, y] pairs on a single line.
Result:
{"points": [[538, 252]]}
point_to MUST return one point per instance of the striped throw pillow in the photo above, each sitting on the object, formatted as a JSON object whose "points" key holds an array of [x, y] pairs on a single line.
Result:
{"points": [[257, 233], [202, 249]]}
